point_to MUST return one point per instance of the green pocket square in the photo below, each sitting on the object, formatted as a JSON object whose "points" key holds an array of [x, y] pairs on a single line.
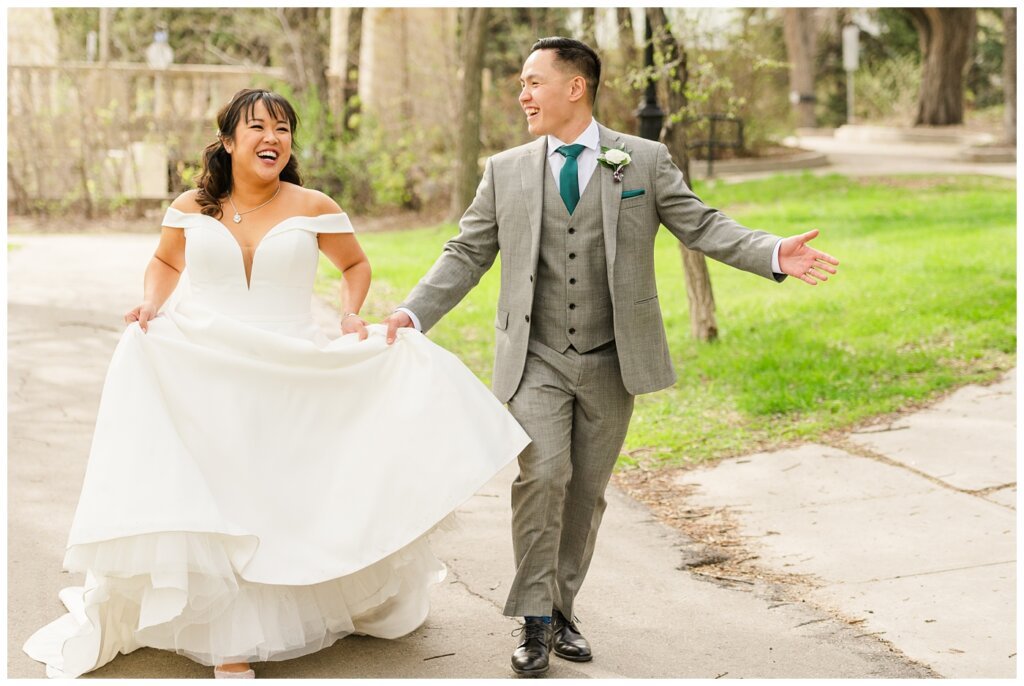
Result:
{"points": [[633, 194]]}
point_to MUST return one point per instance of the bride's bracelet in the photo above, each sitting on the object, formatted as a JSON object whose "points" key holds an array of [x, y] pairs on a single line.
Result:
{"points": [[349, 314]]}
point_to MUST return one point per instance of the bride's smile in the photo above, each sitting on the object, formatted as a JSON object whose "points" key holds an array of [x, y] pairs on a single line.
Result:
{"points": [[260, 148]]}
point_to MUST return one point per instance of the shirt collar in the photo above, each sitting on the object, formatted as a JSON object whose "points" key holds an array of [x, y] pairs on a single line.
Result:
{"points": [[591, 138]]}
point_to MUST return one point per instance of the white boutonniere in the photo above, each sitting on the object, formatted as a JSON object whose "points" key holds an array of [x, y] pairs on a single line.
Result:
{"points": [[615, 159]]}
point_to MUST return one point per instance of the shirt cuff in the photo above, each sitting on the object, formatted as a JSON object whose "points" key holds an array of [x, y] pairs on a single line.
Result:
{"points": [[775, 262], [416, 320]]}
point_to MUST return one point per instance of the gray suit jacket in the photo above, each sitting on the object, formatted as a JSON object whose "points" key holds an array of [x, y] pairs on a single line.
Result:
{"points": [[506, 216]]}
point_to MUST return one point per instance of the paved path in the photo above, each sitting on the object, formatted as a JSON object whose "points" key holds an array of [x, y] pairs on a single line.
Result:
{"points": [[874, 158], [909, 526], [645, 617]]}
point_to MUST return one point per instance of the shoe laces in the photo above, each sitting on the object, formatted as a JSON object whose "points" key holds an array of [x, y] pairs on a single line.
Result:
{"points": [[571, 623], [532, 630]]}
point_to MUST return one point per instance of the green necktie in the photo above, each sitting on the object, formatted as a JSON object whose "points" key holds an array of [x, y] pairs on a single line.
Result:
{"points": [[569, 179]]}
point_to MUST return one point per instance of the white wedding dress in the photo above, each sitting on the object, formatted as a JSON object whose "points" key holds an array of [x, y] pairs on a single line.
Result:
{"points": [[256, 491]]}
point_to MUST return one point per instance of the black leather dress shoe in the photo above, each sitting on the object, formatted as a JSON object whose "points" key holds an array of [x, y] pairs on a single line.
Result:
{"points": [[568, 643], [531, 656]]}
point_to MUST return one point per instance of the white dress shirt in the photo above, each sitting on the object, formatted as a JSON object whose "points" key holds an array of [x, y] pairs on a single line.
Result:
{"points": [[586, 161], [586, 164]]}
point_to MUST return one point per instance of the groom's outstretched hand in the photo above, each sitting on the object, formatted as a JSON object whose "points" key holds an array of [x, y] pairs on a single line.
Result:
{"points": [[396, 321], [798, 259]]}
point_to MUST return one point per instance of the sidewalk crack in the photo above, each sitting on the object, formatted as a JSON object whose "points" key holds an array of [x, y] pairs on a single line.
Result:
{"points": [[457, 579], [845, 444], [931, 573]]}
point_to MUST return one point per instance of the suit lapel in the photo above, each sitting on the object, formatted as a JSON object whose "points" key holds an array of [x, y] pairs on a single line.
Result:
{"points": [[611, 197], [532, 167]]}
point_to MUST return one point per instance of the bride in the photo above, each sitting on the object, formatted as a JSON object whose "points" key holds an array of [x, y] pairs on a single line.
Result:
{"points": [[243, 499]]}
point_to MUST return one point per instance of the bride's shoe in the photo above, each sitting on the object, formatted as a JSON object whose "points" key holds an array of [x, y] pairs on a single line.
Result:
{"points": [[224, 674]]}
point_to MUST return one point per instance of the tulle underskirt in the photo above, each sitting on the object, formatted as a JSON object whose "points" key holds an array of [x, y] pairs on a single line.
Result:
{"points": [[254, 493], [181, 591]]}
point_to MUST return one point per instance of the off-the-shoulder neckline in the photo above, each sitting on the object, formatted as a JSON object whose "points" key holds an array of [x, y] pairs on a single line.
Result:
{"points": [[272, 229], [295, 216]]}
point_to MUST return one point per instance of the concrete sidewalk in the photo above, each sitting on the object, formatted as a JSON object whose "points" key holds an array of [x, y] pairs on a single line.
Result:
{"points": [[908, 527], [644, 616]]}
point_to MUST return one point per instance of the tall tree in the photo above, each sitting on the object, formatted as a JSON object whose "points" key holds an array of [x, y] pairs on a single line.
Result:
{"points": [[801, 46], [589, 28], [1010, 75], [350, 87], [946, 36], [307, 34], [467, 169], [627, 38], [703, 324]]}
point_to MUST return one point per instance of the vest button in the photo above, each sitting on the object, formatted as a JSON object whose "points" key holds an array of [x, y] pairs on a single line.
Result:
{"points": [[572, 331], [572, 280], [527, 318], [572, 256], [572, 306], [572, 230], [531, 278]]}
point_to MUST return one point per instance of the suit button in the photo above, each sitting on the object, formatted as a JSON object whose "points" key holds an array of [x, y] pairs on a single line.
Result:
{"points": [[572, 256], [572, 306], [571, 230], [572, 280], [527, 318], [531, 278], [572, 331]]}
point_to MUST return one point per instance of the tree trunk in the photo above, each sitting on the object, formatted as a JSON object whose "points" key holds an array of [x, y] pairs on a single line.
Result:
{"points": [[350, 89], [1010, 75], [308, 38], [307, 34], [703, 324], [104, 37], [947, 37], [627, 39], [588, 33], [467, 154], [801, 39], [338, 51]]}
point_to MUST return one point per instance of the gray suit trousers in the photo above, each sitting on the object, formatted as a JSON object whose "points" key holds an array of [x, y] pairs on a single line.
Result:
{"points": [[576, 409]]}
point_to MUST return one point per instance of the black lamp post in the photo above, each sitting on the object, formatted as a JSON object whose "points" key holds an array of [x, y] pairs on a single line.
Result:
{"points": [[650, 114]]}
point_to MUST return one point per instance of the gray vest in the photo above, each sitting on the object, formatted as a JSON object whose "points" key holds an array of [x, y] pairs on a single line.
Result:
{"points": [[572, 302]]}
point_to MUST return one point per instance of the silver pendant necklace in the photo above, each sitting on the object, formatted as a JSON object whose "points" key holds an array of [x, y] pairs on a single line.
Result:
{"points": [[238, 215]]}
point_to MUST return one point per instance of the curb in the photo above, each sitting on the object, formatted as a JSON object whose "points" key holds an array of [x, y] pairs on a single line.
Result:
{"points": [[801, 160], [921, 134], [988, 154]]}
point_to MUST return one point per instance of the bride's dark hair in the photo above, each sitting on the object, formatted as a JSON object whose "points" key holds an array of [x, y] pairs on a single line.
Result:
{"points": [[214, 182]]}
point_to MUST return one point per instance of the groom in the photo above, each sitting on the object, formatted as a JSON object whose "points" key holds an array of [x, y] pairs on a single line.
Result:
{"points": [[578, 327]]}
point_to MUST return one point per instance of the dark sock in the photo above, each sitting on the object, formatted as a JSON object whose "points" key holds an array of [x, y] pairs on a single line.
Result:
{"points": [[546, 619]]}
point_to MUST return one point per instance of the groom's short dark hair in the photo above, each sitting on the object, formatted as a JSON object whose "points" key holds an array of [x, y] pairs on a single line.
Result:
{"points": [[579, 57]]}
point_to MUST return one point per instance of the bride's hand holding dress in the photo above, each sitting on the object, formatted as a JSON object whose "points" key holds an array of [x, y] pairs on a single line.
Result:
{"points": [[353, 323], [163, 271], [141, 314], [346, 254]]}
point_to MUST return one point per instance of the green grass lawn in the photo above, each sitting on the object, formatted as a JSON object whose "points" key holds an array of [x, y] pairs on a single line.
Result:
{"points": [[925, 301]]}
